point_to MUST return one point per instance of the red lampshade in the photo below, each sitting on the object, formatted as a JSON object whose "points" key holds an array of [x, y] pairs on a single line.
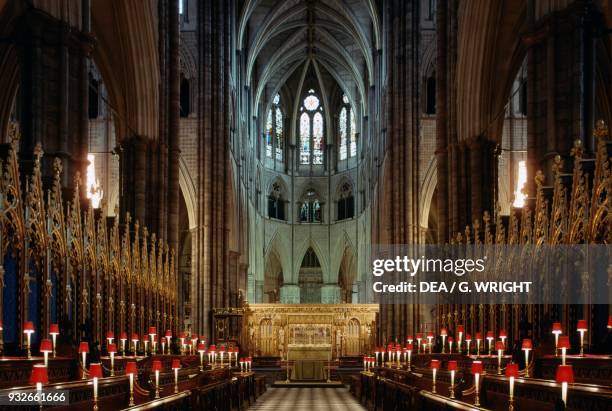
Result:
{"points": [[152, 331], [154, 338], [409, 347], [157, 365], [435, 364], [194, 338], [478, 335], [499, 346], [460, 329], [222, 349], [111, 348], [452, 365], [123, 335], [556, 328], [490, 335], [450, 339], [527, 344], [430, 334], [83, 347], [443, 331], [468, 337], [45, 345], [54, 329], [412, 339], [202, 338], [582, 325], [95, 370], [176, 364], [564, 342], [135, 337], [610, 322], [565, 373], [212, 348], [512, 370], [28, 327], [201, 347], [419, 336], [130, 368], [477, 367], [182, 334], [110, 334], [39, 374], [503, 333], [168, 333]]}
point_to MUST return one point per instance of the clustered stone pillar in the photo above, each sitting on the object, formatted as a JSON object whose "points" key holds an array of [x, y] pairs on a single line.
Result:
{"points": [[401, 174]]}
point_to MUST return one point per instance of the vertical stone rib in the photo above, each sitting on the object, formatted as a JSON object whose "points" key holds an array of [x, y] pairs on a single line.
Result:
{"points": [[441, 121]]}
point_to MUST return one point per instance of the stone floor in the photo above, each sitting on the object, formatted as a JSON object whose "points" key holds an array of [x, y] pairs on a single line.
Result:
{"points": [[306, 399]]}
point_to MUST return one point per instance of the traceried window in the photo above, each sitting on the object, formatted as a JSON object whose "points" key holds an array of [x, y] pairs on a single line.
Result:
{"points": [[348, 130], [274, 131], [346, 202], [310, 210], [312, 127]]}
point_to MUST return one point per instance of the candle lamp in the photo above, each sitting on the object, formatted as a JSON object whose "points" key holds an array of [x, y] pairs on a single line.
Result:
{"points": [[478, 340], [182, 337], [131, 370], [503, 334], [39, 377], [135, 340], [157, 366], [54, 332], [222, 353], [84, 350], [527, 346], [490, 338], [112, 350], [168, 338], [419, 337], [452, 368], [176, 365], [154, 346], [123, 338], [477, 370], [242, 364], [430, 337], [110, 336], [450, 345], [609, 322], [365, 363], [28, 330], [201, 349], [45, 348], [564, 345], [95, 372], [512, 372], [582, 328], [435, 365], [468, 341], [499, 346], [460, 331], [152, 333], [557, 330], [376, 353], [409, 349], [194, 342], [565, 376], [410, 339], [390, 352], [443, 334], [212, 354], [398, 354]]}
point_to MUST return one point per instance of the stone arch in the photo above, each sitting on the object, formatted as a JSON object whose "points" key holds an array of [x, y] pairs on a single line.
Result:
{"points": [[188, 191]]}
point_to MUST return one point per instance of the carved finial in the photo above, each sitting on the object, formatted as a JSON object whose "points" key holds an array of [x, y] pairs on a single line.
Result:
{"points": [[77, 180], [601, 129], [145, 232], [57, 167], [128, 218], [13, 134], [38, 153], [539, 178], [486, 217], [578, 149]]}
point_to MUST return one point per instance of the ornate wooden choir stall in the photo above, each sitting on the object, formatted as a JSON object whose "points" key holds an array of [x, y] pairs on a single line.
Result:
{"points": [[510, 355], [88, 308]]}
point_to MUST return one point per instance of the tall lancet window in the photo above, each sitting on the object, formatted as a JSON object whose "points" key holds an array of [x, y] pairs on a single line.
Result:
{"points": [[312, 128], [274, 130], [348, 130]]}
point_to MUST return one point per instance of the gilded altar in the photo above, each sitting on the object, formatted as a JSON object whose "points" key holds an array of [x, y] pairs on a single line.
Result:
{"points": [[314, 331]]}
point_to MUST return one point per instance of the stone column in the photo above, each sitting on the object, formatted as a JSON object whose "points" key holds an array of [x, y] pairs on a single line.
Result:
{"points": [[290, 294], [331, 294]]}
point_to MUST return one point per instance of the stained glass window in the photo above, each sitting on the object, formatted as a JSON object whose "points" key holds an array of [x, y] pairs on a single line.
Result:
{"points": [[312, 130], [305, 138], [343, 130], [274, 131], [347, 129]]}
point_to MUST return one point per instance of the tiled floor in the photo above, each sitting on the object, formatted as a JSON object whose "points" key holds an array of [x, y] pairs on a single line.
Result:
{"points": [[306, 399]]}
